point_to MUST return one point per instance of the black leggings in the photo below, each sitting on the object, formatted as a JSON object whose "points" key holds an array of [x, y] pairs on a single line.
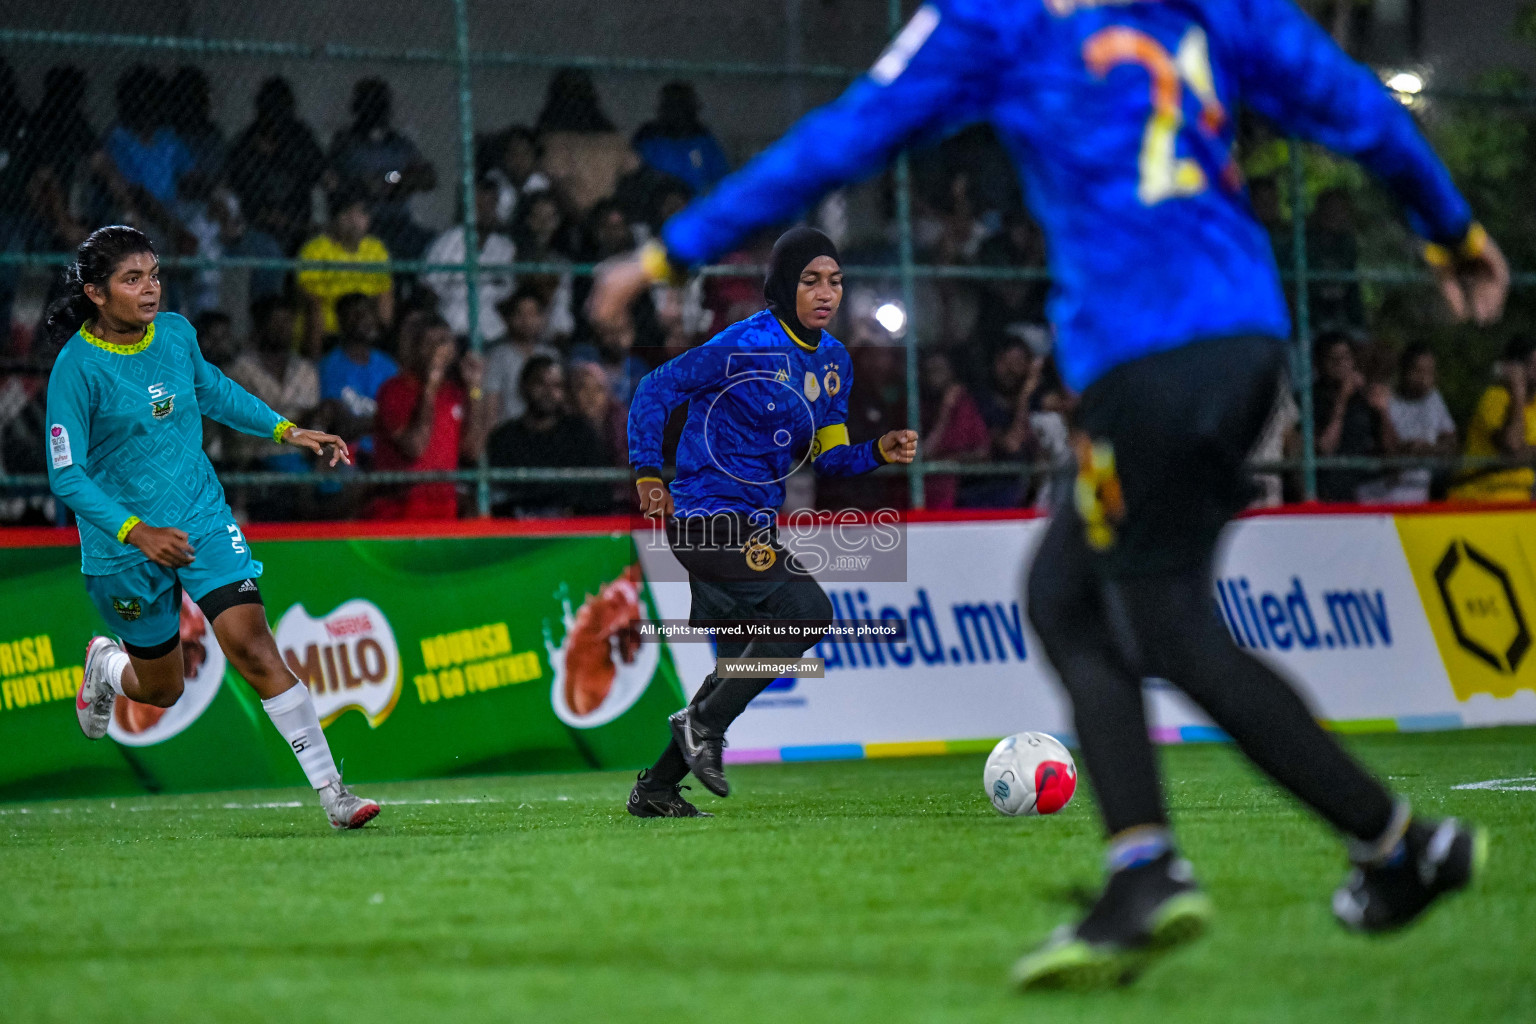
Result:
{"points": [[719, 702], [1105, 635]]}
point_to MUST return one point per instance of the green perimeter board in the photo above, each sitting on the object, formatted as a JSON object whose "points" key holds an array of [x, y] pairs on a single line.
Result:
{"points": [[424, 588]]}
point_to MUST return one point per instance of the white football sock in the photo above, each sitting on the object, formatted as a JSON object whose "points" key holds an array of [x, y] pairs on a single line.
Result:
{"points": [[116, 663], [294, 715]]}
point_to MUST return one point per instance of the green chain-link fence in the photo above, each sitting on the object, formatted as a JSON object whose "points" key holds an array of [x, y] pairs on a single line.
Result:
{"points": [[493, 143]]}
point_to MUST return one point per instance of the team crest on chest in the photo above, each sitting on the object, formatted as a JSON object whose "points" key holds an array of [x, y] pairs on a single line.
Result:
{"points": [[161, 404], [812, 386], [834, 382]]}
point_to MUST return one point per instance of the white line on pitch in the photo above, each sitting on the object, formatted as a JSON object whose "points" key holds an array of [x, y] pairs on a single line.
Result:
{"points": [[1522, 785]]}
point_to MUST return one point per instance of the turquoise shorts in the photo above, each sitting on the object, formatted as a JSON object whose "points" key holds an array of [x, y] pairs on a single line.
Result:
{"points": [[142, 603]]}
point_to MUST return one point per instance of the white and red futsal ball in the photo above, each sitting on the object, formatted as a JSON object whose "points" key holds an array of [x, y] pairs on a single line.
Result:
{"points": [[1029, 773]]}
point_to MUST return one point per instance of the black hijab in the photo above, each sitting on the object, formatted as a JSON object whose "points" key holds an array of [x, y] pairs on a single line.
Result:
{"points": [[792, 253]]}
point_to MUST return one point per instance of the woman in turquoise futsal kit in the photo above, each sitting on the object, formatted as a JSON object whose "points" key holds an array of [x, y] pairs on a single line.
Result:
{"points": [[126, 401]]}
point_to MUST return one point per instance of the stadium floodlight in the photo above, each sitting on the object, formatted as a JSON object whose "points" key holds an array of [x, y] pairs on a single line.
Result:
{"points": [[891, 316], [1407, 86]]}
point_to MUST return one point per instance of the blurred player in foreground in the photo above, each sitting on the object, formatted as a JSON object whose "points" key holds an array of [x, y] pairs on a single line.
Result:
{"points": [[759, 394], [126, 402], [1171, 321]]}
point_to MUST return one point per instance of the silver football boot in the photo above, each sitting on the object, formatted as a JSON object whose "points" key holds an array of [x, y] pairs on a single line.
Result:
{"points": [[95, 698], [343, 808]]}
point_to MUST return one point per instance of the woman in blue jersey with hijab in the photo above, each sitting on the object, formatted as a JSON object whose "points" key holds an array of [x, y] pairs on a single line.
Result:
{"points": [[759, 394], [126, 401]]}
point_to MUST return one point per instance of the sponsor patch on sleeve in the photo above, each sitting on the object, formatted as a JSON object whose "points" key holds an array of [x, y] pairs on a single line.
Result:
{"points": [[58, 446]]}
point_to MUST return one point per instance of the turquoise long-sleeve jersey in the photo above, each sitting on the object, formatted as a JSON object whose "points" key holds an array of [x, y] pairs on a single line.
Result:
{"points": [[1121, 117], [125, 437]]}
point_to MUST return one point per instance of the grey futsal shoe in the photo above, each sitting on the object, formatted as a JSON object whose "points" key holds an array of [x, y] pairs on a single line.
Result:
{"points": [[344, 809], [95, 698]]}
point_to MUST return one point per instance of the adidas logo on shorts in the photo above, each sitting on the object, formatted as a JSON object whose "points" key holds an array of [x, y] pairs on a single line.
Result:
{"points": [[247, 587]]}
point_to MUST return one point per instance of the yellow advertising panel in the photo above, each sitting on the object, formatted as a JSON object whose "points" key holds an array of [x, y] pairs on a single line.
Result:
{"points": [[1476, 573]]}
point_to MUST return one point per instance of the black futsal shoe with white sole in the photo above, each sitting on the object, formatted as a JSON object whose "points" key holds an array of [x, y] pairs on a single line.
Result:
{"points": [[657, 801], [1143, 911], [702, 749], [1435, 858]]}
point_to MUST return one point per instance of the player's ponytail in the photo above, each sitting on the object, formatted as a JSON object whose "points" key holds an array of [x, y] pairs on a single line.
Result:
{"points": [[96, 261]]}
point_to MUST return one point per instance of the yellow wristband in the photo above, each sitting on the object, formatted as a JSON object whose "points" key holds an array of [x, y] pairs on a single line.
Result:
{"points": [[648, 479], [653, 260], [127, 528], [1470, 248], [283, 426]]}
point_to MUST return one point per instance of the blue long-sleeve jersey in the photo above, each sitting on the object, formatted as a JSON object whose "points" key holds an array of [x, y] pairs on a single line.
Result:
{"points": [[1120, 116], [125, 437], [760, 404]]}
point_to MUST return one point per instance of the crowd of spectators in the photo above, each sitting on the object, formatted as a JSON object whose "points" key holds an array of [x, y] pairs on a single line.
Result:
{"points": [[385, 358]]}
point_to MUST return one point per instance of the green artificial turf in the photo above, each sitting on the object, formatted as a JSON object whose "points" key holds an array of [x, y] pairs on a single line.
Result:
{"points": [[873, 891]]}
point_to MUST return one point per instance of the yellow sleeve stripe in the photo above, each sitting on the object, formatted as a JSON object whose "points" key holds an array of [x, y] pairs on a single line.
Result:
{"points": [[648, 479], [1442, 258], [654, 261], [126, 528], [283, 426], [829, 437]]}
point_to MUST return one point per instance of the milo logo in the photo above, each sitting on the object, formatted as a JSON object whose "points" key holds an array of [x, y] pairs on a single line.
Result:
{"points": [[347, 659]]}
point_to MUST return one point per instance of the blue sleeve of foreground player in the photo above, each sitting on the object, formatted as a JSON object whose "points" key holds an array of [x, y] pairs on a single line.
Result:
{"points": [[1294, 75], [940, 72]]}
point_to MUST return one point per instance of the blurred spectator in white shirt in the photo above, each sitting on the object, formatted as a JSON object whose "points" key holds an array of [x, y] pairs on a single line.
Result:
{"points": [[1423, 424], [451, 288]]}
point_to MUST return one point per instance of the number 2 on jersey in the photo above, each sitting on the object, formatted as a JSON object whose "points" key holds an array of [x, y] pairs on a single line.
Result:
{"points": [[1164, 175]]}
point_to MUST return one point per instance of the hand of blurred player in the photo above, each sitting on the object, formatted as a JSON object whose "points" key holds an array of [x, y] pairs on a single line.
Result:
{"points": [[163, 545], [899, 446], [1476, 287], [472, 369], [318, 441], [655, 499], [616, 284]]}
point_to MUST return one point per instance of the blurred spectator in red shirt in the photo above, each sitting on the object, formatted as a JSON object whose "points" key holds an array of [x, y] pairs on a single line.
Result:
{"points": [[430, 417], [953, 429]]}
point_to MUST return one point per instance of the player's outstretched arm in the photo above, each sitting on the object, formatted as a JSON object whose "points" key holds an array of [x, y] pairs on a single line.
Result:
{"points": [[834, 456], [1296, 76], [230, 404]]}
